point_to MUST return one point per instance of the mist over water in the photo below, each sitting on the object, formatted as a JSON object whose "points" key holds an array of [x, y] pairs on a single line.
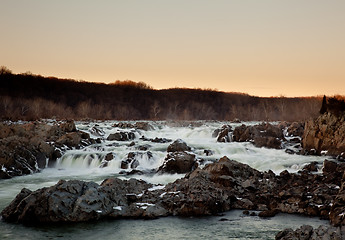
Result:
{"points": [[89, 164]]}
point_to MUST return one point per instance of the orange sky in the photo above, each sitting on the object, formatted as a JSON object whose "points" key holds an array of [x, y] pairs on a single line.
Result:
{"points": [[264, 48]]}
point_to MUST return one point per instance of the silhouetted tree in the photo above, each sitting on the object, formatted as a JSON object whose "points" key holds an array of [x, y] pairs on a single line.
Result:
{"points": [[324, 105]]}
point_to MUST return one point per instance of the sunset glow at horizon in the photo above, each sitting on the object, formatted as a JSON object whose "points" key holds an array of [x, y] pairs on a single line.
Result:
{"points": [[263, 48]]}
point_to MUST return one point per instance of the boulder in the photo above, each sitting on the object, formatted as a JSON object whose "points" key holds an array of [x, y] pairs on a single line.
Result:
{"points": [[223, 134], [132, 159], [262, 135], [178, 162], [121, 136], [296, 129], [308, 232], [146, 126], [178, 146]]}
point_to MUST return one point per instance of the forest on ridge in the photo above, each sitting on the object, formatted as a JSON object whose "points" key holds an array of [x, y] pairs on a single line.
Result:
{"points": [[29, 97]]}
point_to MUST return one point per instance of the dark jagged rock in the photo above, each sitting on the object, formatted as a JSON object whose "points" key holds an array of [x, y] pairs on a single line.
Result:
{"points": [[218, 187], [178, 146], [138, 125], [337, 213], [160, 140], [23, 147], [121, 136], [296, 129], [307, 232], [156, 140], [223, 134], [178, 162], [325, 134], [311, 167], [262, 135], [132, 159], [208, 152]]}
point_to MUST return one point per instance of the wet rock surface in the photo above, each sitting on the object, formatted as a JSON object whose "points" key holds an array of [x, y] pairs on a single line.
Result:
{"points": [[262, 135], [121, 136], [138, 125], [223, 134], [178, 162], [178, 146], [26, 148], [218, 187], [307, 232]]}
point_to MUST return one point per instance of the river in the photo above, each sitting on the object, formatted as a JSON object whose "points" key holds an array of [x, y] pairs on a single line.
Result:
{"points": [[84, 164]]}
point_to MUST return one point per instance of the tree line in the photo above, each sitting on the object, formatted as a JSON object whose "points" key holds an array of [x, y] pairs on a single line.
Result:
{"points": [[29, 97]]}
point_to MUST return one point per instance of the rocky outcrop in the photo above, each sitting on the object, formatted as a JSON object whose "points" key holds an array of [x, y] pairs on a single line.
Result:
{"points": [[326, 134], [223, 134], [178, 162], [132, 159], [218, 187], [307, 232], [138, 125], [121, 136], [262, 135], [337, 214], [26, 148], [178, 146]]}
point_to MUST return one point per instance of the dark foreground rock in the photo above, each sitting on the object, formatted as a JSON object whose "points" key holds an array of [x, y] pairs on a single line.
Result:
{"points": [[27, 148], [218, 187], [307, 232]]}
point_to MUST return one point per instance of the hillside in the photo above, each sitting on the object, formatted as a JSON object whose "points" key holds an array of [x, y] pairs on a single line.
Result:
{"points": [[29, 97]]}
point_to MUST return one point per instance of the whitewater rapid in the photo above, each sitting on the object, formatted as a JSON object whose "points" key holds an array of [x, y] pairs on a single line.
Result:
{"points": [[88, 164], [197, 135]]}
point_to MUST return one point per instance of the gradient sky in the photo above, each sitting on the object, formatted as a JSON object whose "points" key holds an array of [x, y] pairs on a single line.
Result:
{"points": [[260, 47]]}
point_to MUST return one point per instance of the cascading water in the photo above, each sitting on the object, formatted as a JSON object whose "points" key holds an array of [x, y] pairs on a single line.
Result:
{"points": [[106, 159]]}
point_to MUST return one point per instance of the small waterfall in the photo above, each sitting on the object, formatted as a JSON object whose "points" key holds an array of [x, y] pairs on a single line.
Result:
{"points": [[80, 160]]}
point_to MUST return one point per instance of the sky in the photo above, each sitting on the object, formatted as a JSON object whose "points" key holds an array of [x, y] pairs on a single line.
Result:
{"points": [[260, 47]]}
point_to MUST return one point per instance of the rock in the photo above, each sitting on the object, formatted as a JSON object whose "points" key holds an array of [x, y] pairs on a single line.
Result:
{"points": [[75, 201], [223, 134], [26, 148], [311, 167], [268, 142], [208, 152], [329, 167], [146, 126], [218, 187], [337, 213], [160, 140], [121, 136], [307, 232], [178, 162], [109, 157], [262, 135], [156, 140], [296, 129], [71, 140], [178, 146], [132, 160], [97, 131], [325, 134], [268, 213]]}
